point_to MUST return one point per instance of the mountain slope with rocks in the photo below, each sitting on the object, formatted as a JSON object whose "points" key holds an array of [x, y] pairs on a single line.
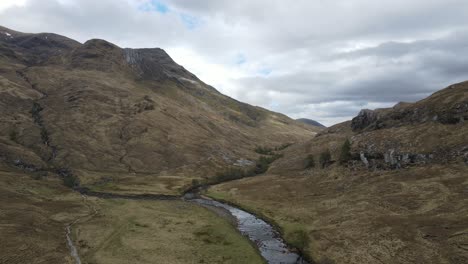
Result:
{"points": [[389, 186], [122, 116]]}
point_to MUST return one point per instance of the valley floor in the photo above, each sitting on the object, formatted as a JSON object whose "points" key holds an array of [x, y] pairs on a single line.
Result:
{"points": [[416, 215], [33, 217], [127, 231], [34, 214]]}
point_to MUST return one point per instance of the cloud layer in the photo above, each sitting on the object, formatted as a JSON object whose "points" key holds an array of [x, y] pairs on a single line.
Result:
{"points": [[323, 60]]}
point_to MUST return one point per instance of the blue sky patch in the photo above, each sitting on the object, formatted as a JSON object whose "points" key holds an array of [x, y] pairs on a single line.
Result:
{"points": [[191, 22], [265, 71], [154, 6], [240, 59]]}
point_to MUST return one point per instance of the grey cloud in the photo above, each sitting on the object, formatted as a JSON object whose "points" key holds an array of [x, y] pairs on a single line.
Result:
{"points": [[419, 46], [432, 66]]}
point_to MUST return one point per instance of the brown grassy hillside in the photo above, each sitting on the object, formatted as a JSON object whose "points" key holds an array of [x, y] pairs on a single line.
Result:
{"points": [[109, 114], [400, 196]]}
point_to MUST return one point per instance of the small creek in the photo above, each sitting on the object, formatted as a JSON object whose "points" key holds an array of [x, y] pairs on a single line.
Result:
{"points": [[268, 241], [73, 250]]}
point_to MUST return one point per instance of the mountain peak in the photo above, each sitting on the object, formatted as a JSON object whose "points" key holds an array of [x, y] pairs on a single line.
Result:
{"points": [[155, 64]]}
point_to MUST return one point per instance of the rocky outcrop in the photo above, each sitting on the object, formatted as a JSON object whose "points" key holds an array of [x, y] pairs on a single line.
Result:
{"points": [[363, 158], [394, 159], [364, 119], [448, 106], [156, 64]]}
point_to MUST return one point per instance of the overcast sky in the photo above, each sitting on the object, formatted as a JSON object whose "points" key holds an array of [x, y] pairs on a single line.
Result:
{"points": [[323, 60]]}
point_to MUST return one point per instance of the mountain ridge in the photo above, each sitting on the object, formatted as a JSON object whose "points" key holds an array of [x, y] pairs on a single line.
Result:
{"points": [[96, 108], [310, 122]]}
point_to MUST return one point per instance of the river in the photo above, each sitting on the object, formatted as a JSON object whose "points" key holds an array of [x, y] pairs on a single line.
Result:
{"points": [[268, 241]]}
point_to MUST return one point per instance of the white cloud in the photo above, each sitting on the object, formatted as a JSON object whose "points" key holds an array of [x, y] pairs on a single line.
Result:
{"points": [[5, 4]]}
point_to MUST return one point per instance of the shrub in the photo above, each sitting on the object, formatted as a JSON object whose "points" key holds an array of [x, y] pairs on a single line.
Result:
{"points": [[345, 154], [230, 174], [325, 158], [44, 135], [284, 146], [264, 162], [299, 239], [310, 161], [196, 183], [71, 181], [264, 150], [39, 175], [13, 135], [234, 173]]}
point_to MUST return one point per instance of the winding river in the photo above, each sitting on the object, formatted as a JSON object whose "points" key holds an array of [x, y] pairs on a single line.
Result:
{"points": [[268, 241]]}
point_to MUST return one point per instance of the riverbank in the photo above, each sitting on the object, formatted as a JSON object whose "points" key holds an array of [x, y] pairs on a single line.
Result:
{"points": [[142, 231], [35, 214], [415, 215]]}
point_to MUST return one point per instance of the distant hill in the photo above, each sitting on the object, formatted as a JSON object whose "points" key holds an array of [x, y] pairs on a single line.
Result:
{"points": [[310, 122]]}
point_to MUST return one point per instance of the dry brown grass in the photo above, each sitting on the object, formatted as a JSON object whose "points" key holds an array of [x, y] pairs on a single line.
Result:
{"points": [[160, 232], [415, 215], [33, 218], [34, 214], [104, 117]]}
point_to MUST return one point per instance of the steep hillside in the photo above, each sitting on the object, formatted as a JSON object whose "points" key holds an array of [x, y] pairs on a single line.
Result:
{"points": [[397, 193], [122, 117]]}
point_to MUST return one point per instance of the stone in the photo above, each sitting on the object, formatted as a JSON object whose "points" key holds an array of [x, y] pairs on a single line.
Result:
{"points": [[364, 159]]}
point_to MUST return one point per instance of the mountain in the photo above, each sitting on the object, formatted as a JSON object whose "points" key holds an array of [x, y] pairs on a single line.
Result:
{"points": [[397, 193], [127, 118], [310, 122]]}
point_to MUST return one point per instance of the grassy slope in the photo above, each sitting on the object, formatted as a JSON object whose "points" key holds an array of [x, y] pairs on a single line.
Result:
{"points": [[33, 218], [161, 232], [350, 214], [104, 118], [415, 215]]}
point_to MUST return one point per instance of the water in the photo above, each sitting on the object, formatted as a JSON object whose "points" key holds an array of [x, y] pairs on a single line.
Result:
{"points": [[73, 250], [273, 249]]}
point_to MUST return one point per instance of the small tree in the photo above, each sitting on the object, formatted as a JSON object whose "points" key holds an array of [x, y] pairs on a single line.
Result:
{"points": [[345, 154], [310, 162], [325, 158]]}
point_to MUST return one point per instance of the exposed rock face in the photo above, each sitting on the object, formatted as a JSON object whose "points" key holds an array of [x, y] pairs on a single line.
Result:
{"points": [[363, 158], [448, 106], [364, 119], [155, 64]]}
